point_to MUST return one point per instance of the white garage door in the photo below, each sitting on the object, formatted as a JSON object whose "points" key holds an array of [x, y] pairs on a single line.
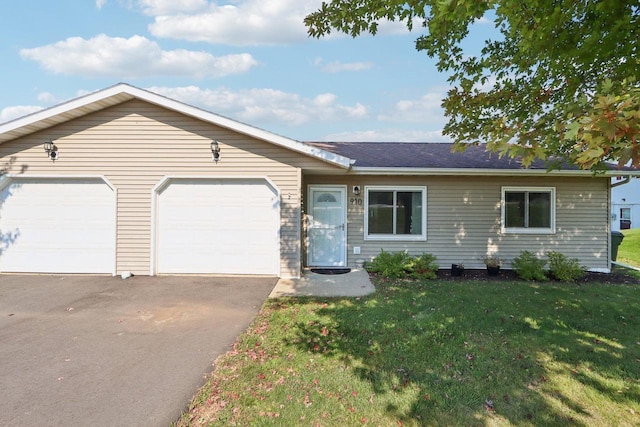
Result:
{"points": [[218, 226], [57, 226]]}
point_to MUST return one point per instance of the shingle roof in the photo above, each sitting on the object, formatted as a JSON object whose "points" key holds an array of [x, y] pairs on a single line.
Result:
{"points": [[423, 155]]}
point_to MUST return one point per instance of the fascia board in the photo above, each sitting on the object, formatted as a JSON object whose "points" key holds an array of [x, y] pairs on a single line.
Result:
{"points": [[63, 112], [487, 172]]}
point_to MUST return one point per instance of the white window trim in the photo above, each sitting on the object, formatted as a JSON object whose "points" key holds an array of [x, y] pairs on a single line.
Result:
{"points": [[527, 230], [395, 237], [626, 217]]}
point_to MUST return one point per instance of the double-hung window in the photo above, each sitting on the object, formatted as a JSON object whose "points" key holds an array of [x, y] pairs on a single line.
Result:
{"points": [[396, 213], [528, 210]]}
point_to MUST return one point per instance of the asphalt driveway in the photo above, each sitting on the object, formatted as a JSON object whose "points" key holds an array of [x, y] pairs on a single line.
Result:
{"points": [[102, 351]]}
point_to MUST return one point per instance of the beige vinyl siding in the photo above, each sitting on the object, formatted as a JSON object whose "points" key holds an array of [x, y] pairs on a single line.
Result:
{"points": [[136, 144], [463, 219]]}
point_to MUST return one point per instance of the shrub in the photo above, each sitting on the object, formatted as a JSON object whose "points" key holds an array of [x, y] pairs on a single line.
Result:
{"points": [[423, 267], [528, 266], [492, 261], [389, 264], [565, 269], [397, 265]]}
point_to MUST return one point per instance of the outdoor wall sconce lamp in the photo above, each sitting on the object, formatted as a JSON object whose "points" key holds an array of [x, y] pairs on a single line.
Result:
{"points": [[51, 150], [356, 190], [215, 151]]}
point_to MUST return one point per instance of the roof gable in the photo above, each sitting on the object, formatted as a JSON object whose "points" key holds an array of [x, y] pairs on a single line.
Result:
{"points": [[122, 92]]}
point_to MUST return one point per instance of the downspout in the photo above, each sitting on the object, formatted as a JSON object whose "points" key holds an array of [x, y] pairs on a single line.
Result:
{"points": [[623, 182]]}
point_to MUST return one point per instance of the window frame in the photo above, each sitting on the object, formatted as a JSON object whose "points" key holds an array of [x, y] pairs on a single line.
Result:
{"points": [[396, 189], [528, 230], [627, 217]]}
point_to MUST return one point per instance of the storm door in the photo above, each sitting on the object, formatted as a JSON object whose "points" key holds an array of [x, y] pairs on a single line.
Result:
{"points": [[327, 228]]}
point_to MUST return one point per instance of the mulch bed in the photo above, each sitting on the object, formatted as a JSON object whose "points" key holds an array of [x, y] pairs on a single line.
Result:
{"points": [[614, 278]]}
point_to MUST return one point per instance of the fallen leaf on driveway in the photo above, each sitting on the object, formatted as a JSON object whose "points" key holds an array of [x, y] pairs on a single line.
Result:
{"points": [[69, 308]]}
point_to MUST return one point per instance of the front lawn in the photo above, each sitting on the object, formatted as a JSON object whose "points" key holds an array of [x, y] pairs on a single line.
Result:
{"points": [[435, 353], [629, 250]]}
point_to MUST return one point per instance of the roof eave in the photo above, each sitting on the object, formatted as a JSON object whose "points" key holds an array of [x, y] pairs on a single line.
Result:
{"points": [[123, 92], [479, 171], [66, 111]]}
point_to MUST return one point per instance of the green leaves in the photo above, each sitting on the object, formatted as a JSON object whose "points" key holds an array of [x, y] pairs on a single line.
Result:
{"points": [[558, 84], [607, 128]]}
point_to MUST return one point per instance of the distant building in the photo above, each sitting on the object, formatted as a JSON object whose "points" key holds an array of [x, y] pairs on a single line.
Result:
{"points": [[625, 204]]}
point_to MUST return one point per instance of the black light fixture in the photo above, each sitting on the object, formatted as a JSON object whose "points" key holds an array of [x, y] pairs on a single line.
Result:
{"points": [[215, 151], [51, 150]]}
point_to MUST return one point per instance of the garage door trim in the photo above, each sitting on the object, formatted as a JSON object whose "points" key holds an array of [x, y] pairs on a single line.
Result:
{"points": [[8, 179], [168, 180]]}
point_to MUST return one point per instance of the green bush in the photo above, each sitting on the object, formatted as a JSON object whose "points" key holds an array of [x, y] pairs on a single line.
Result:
{"points": [[565, 269], [528, 266], [389, 264], [398, 265], [423, 267]]}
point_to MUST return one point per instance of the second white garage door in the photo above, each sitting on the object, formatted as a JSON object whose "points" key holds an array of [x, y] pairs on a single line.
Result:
{"points": [[217, 226]]}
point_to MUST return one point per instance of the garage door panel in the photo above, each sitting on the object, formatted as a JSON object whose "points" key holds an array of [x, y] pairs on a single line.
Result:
{"points": [[60, 226], [218, 226]]}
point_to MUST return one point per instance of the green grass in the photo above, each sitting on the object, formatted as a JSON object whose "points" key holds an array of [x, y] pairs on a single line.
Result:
{"points": [[629, 250], [435, 353]]}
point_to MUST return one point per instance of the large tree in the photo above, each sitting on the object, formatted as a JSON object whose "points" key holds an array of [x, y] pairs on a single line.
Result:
{"points": [[558, 83]]}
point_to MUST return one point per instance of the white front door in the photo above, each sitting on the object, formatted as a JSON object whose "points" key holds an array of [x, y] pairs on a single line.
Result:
{"points": [[327, 227]]}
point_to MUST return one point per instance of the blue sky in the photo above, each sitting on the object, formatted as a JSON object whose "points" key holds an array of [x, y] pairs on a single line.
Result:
{"points": [[249, 60]]}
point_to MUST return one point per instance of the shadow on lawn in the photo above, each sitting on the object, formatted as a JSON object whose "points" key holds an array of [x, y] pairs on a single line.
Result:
{"points": [[465, 353]]}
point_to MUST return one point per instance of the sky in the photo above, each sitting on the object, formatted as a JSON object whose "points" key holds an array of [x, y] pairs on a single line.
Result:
{"points": [[248, 60]]}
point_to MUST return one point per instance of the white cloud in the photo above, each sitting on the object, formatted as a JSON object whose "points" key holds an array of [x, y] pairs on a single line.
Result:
{"points": [[168, 7], [337, 66], [397, 27], [240, 22], [47, 98], [324, 99], [425, 109], [243, 23], [10, 113], [389, 135], [265, 105], [137, 56], [100, 3]]}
